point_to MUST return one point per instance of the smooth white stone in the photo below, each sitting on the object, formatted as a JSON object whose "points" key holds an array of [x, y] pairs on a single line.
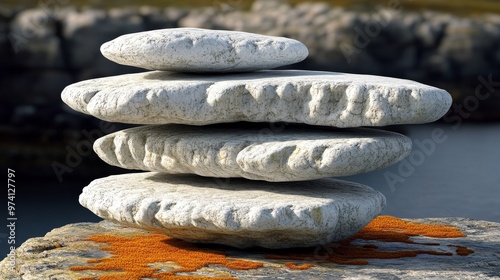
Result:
{"points": [[235, 212], [309, 97], [260, 152], [203, 50]]}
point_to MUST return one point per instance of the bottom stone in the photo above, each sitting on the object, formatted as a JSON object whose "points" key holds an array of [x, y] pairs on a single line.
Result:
{"points": [[236, 212], [467, 250]]}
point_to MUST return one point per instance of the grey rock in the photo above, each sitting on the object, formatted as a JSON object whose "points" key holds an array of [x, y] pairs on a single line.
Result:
{"points": [[124, 14], [34, 40], [429, 33], [203, 50], [289, 154], [201, 18], [267, 5], [462, 41], [62, 248], [33, 22], [157, 18], [238, 212], [391, 32], [310, 9], [309, 97], [425, 46]]}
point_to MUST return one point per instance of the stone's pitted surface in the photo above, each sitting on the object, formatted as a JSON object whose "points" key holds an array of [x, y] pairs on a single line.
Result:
{"points": [[309, 97], [235, 212], [202, 50], [51, 256], [253, 151]]}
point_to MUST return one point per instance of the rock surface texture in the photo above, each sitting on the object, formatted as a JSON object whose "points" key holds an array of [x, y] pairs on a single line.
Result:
{"points": [[51, 257], [251, 152], [291, 212], [236, 212], [202, 50], [308, 97]]}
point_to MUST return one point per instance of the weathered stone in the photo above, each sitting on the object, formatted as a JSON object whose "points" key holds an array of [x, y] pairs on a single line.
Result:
{"points": [[291, 153], [65, 247], [203, 50], [34, 40], [309, 97], [236, 212]]}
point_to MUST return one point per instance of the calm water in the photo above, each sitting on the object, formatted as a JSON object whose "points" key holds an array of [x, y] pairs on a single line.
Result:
{"points": [[459, 177]]}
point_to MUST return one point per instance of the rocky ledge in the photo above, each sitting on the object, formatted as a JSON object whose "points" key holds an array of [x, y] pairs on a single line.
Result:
{"points": [[84, 250]]}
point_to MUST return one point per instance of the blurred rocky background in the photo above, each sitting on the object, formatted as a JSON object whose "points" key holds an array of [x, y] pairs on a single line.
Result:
{"points": [[46, 45]]}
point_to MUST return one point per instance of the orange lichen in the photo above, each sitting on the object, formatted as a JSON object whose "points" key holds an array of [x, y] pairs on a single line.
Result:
{"points": [[392, 229], [462, 250], [132, 257], [382, 228], [242, 265], [295, 266]]}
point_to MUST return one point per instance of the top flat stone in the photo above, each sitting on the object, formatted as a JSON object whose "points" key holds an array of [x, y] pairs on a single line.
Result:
{"points": [[293, 96], [202, 50], [41, 258]]}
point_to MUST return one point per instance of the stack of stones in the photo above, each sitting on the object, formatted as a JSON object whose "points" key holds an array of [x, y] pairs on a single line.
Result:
{"points": [[238, 154]]}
